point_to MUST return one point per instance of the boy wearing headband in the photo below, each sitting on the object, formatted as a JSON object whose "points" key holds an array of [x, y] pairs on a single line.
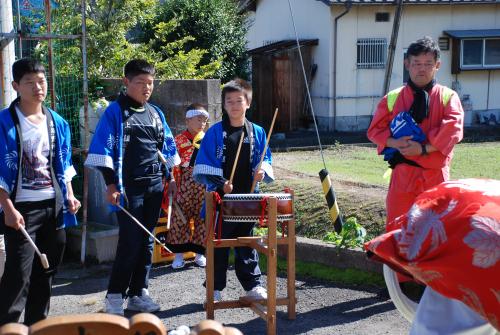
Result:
{"points": [[213, 168], [187, 229]]}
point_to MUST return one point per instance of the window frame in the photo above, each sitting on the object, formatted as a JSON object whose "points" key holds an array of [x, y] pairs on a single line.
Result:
{"points": [[379, 47], [482, 66]]}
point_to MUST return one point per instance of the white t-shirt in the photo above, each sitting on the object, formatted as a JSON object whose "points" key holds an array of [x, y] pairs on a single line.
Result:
{"points": [[36, 182]]}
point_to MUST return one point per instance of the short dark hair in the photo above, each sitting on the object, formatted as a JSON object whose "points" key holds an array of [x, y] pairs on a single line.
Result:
{"points": [[237, 85], [195, 106], [423, 46], [137, 67], [25, 66]]}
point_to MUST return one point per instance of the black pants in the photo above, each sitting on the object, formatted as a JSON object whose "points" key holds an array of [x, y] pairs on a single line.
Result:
{"points": [[25, 283], [246, 260], [135, 247]]}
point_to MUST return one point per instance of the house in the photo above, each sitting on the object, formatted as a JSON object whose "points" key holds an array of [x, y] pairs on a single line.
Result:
{"points": [[345, 46]]}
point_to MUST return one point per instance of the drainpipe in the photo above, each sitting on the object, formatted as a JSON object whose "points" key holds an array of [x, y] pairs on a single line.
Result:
{"points": [[348, 5]]}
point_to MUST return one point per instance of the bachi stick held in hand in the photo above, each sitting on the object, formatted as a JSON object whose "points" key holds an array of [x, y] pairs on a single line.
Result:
{"points": [[237, 156], [254, 182]]}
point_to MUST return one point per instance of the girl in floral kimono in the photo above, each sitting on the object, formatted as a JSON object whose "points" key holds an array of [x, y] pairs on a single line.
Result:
{"points": [[187, 229]]}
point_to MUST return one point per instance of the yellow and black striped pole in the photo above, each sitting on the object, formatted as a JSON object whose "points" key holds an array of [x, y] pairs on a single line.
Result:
{"points": [[331, 201]]}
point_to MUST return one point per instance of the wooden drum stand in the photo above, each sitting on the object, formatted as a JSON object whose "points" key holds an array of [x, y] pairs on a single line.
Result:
{"points": [[267, 245]]}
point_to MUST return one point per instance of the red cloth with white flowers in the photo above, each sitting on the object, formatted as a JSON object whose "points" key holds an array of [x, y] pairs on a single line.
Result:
{"points": [[450, 241]]}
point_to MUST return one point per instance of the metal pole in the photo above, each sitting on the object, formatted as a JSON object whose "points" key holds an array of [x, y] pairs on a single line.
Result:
{"points": [[19, 30], [7, 55], [87, 134], [392, 46], [51, 60]]}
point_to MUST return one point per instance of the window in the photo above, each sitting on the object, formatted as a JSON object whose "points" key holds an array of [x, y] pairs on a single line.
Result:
{"points": [[371, 53], [480, 53], [382, 17]]}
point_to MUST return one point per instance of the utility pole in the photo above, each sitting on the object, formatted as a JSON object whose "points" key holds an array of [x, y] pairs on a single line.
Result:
{"points": [[7, 53], [392, 46]]}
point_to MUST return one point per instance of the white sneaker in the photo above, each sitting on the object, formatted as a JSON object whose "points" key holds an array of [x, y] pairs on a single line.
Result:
{"points": [[144, 303], [113, 304], [258, 292], [217, 296], [178, 262], [200, 260]]}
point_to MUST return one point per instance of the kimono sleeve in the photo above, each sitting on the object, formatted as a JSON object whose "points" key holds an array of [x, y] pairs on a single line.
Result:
{"points": [[8, 159], [169, 150], [209, 158], [104, 145], [268, 159], [66, 153]]}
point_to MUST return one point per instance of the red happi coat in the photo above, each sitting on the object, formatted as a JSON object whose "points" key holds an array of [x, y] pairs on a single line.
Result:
{"points": [[443, 129], [450, 241]]}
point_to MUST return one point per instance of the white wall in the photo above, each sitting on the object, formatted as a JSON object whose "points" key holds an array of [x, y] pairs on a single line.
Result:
{"points": [[416, 22], [314, 19]]}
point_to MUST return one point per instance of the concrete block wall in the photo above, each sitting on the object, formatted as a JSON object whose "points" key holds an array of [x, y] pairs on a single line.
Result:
{"points": [[173, 96]]}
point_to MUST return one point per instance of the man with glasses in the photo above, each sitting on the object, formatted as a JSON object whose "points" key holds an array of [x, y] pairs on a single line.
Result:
{"points": [[416, 128]]}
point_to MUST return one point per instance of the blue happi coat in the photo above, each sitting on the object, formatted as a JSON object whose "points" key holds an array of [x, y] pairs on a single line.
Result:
{"points": [[62, 165], [403, 125], [106, 148], [211, 155]]}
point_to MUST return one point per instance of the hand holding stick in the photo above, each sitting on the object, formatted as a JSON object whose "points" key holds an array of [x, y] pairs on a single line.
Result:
{"points": [[144, 228], [43, 257], [254, 182]]}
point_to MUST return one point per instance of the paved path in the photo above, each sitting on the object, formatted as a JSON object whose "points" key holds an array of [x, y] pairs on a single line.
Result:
{"points": [[323, 307]]}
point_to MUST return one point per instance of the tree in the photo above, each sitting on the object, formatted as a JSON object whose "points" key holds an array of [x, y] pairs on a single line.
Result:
{"points": [[110, 44], [215, 25]]}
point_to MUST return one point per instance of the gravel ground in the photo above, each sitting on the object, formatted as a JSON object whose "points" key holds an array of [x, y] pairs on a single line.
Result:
{"points": [[323, 307]]}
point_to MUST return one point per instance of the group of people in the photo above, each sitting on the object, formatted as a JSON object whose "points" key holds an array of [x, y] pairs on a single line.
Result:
{"points": [[415, 127], [142, 164]]}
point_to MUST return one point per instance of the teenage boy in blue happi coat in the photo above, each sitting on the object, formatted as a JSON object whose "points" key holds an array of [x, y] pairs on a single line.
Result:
{"points": [[126, 146], [35, 192], [214, 163]]}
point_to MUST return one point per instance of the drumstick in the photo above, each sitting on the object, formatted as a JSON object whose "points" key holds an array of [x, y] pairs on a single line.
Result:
{"points": [[237, 155], [43, 257], [169, 213], [162, 159], [144, 228], [254, 182]]}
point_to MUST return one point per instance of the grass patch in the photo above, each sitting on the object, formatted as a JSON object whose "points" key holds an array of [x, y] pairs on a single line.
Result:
{"points": [[323, 272], [362, 164], [478, 160]]}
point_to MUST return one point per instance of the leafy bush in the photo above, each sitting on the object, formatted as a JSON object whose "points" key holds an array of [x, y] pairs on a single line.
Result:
{"points": [[351, 236]]}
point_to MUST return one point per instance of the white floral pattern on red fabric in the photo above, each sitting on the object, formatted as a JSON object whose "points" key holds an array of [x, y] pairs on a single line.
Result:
{"points": [[450, 241], [485, 241], [421, 222]]}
